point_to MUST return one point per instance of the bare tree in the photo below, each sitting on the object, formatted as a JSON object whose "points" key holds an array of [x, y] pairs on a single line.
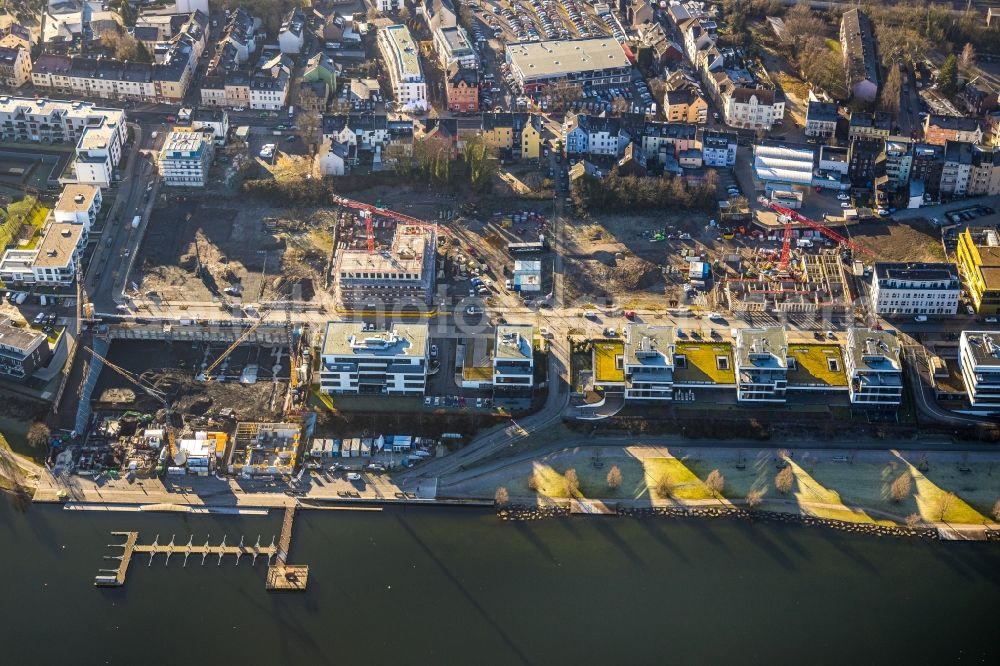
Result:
{"points": [[501, 498], [944, 504], [754, 498], [572, 481], [615, 479], [38, 435], [663, 487], [968, 59], [913, 520], [901, 487], [533, 481], [784, 479], [889, 95], [715, 482]]}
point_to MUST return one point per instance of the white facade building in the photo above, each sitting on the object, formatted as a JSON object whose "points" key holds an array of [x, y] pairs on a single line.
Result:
{"points": [[761, 364], [513, 358], [78, 204], [979, 361], [648, 362], [402, 62], [185, 158], [357, 360], [915, 289], [873, 363]]}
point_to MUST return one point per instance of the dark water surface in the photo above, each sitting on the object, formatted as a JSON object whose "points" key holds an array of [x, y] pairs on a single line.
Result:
{"points": [[456, 586]]}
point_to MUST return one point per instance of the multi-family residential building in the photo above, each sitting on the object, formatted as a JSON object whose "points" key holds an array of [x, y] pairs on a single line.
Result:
{"points": [[915, 289], [22, 351], [648, 362], [78, 204], [956, 171], [877, 125], [898, 154], [401, 275], [453, 46], [292, 33], [516, 134], [355, 359], [761, 364], [978, 259], [269, 84], [939, 129], [402, 62], [513, 359], [754, 108], [593, 63], [980, 97], [185, 159], [718, 148], [979, 363], [926, 166], [59, 252], [321, 67], [685, 106], [663, 141], [593, 135], [984, 178], [389, 6], [439, 14], [15, 66], [874, 368], [462, 89], [862, 155], [99, 133], [858, 45], [821, 119], [369, 133]]}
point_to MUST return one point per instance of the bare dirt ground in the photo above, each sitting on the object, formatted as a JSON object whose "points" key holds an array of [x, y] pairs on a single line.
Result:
{"points": [[171, 367], [617, 256], [258, 249], [895, 240]]}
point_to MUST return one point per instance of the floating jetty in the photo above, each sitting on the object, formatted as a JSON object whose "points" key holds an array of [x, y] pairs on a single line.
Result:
{"points": [[280, 574]]}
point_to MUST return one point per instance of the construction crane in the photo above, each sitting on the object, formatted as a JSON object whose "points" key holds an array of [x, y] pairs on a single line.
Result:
{"points": [[793, 216], [384, 212], [207, 374], [370, 232], [131, 377]]}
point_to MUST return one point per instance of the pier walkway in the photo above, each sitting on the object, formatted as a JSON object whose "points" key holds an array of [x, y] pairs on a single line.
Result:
{"points": [[280, 574]]}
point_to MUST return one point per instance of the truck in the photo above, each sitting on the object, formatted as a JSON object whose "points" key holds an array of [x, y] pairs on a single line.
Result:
{"points": [[291, 111], [136, 221]]}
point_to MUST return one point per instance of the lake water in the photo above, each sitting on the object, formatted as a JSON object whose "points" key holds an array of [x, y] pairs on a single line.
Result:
{"points": [[457, 586]]}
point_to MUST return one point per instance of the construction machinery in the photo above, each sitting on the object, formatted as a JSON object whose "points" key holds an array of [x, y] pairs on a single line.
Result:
{"points": [[368, 211], [788, 216], [207, 374]]}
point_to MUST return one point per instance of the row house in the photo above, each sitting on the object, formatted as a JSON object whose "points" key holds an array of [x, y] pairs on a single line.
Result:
{"points": [[518, 135], [926, 166], [368, 132], [939, 129], [957, 168], [821, 119], [15, 66], [858, 46], [984, 177], [754, 108], [462, 89], [718, 148], [269, 84], [685, 106], [877, 125], [666, 141], [292, 33], [593, 135]]}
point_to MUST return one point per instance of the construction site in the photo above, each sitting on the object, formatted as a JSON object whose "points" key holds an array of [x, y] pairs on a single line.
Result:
{"points": [[803, 274], [383, 258]]}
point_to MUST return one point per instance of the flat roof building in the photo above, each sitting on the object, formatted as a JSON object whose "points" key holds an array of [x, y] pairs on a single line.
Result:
{"points": [[874, 368], [648, 362], [399, 276], [513, 358], [22, 350], [402, 63], [358, 359], [979, 363], [79, 204], [978, 260], [915, 289], [761, 364], [598, 62], [185, 159]]}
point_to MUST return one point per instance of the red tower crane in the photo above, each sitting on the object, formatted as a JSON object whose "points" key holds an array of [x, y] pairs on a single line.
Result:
{"points": [[790, 216], [370, 232]]}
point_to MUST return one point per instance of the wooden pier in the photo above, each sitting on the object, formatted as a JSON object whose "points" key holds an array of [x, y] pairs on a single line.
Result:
{"points": [[280, 574]]}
